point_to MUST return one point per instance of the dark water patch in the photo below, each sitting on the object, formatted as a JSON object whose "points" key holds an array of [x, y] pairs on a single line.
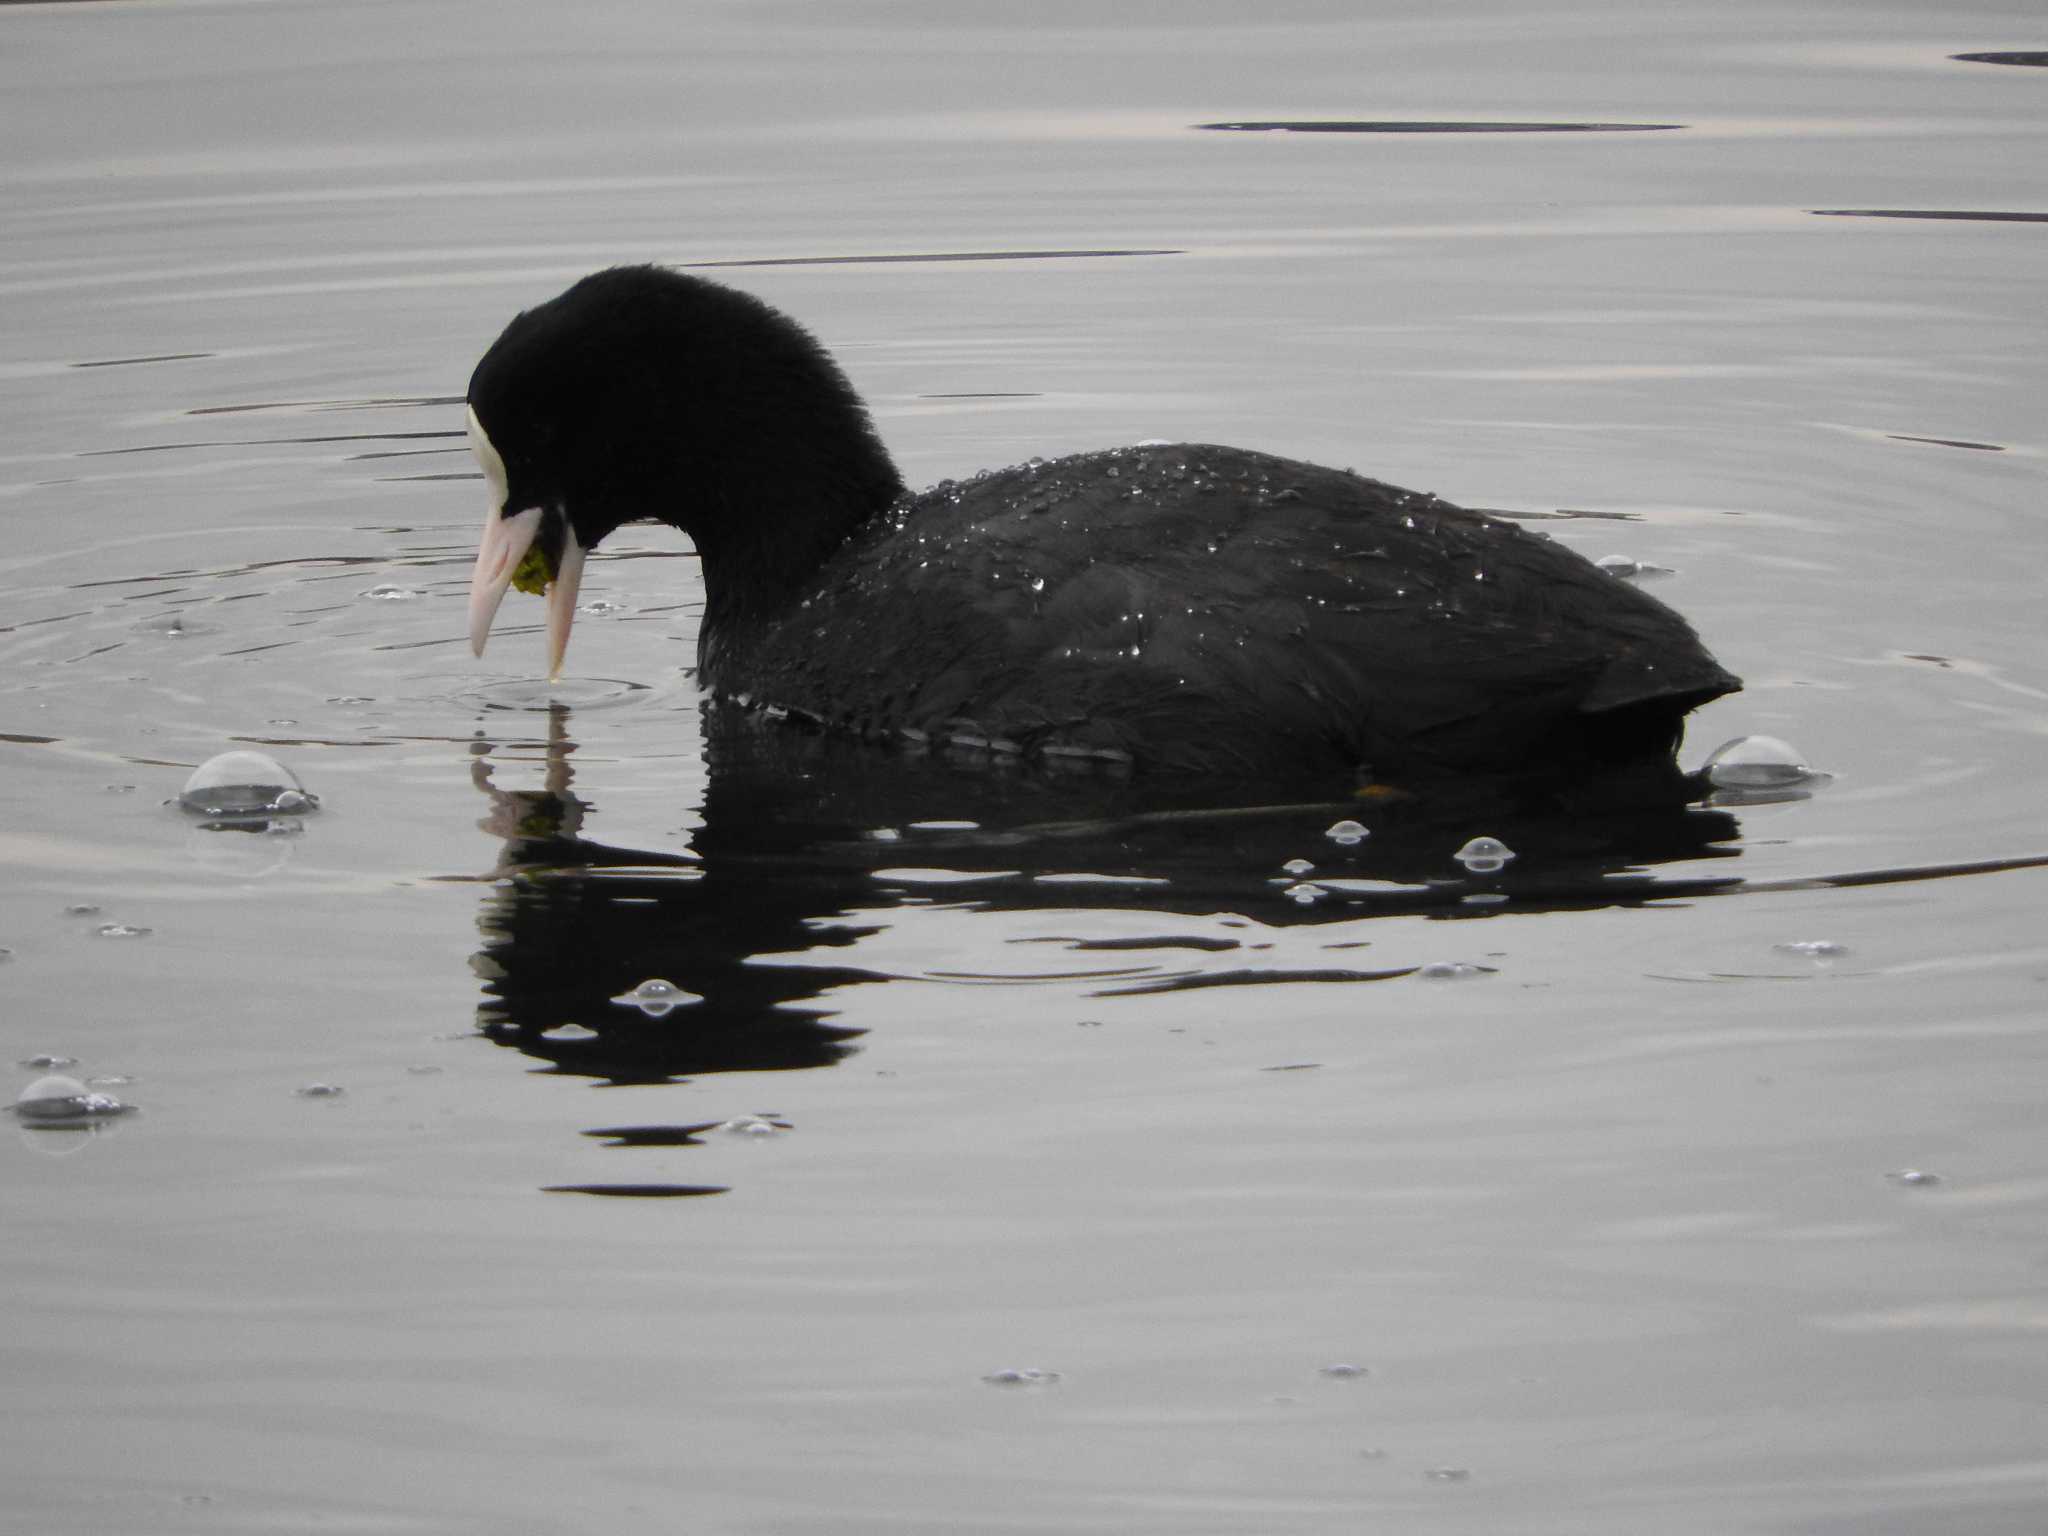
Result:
{"points": [[310, 562], [2036, 59], [1980, 215], [1334, 125], [916, 256], [988, 394], [407, 479], [1181, 941], [1567, 514], [367, 403], [638, 1191], [271, 442], [654, 1135], [30, 741], [1263, 977], [55, 618], [1946, 442], [160, 357]]}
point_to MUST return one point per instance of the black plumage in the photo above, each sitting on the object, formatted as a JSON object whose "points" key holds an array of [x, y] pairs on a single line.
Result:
{"points": [[1184, 608]]}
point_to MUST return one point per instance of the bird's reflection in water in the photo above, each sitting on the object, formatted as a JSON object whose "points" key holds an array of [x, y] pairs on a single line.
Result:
{"points": [[796, 826]]}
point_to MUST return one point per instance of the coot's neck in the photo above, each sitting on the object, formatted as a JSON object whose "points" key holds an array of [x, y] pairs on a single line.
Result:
{"points": [[765, 527]]}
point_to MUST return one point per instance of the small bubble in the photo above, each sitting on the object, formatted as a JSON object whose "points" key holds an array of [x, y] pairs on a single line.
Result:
{"points": [[1346, 832], [118, 789], [109, 1080], [281, 721], [386, 592], [56, 1103], [351, 698], [1447, 1474], [656, 998], [602, 607], [122, 931], [1915, 1178], [1298, 867], [884, 835], [1452, 970], [1304, 894], [1813, 949], [1021, 1376], [753, 1125], [48, 1062], [1484, 855], [423, 1070], [1344, 1369], [568, 1032], [82, 909], [320, 1091]]}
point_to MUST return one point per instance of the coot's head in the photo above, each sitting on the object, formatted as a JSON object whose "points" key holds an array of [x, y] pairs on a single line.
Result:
{"points": [[641, 393]]}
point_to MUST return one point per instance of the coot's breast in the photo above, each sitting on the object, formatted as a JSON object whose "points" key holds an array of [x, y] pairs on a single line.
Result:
{"points": [[1216, 610]]}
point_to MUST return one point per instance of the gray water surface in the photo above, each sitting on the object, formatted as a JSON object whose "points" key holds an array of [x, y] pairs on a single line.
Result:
{"points": [[1706, 1212]]}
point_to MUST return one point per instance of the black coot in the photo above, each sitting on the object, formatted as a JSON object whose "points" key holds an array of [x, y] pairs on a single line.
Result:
{"points": [[1186, 609]]}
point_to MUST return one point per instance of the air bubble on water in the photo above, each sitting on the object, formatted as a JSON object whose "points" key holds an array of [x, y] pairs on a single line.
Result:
{"points": [[351, 698], [47, 1062], [1021, 1376], [563, 1032], [1813, 949], [1627, 568], [601, 607], [884, 835], [109, 1080], [1914, 1178], [656, 998], [1153, 442], [320, 1091], [1447, 1474], [1484, 855], [1759, 762], [1304, 894], [281, 721], [387, 592], [64, 1103], [753, 1125], [1452, 970], [121, 931], [118, 789], [1344, 1370], [1298, 867], [1346, 833], [171, 626], [82, 909], [244, 784]]}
